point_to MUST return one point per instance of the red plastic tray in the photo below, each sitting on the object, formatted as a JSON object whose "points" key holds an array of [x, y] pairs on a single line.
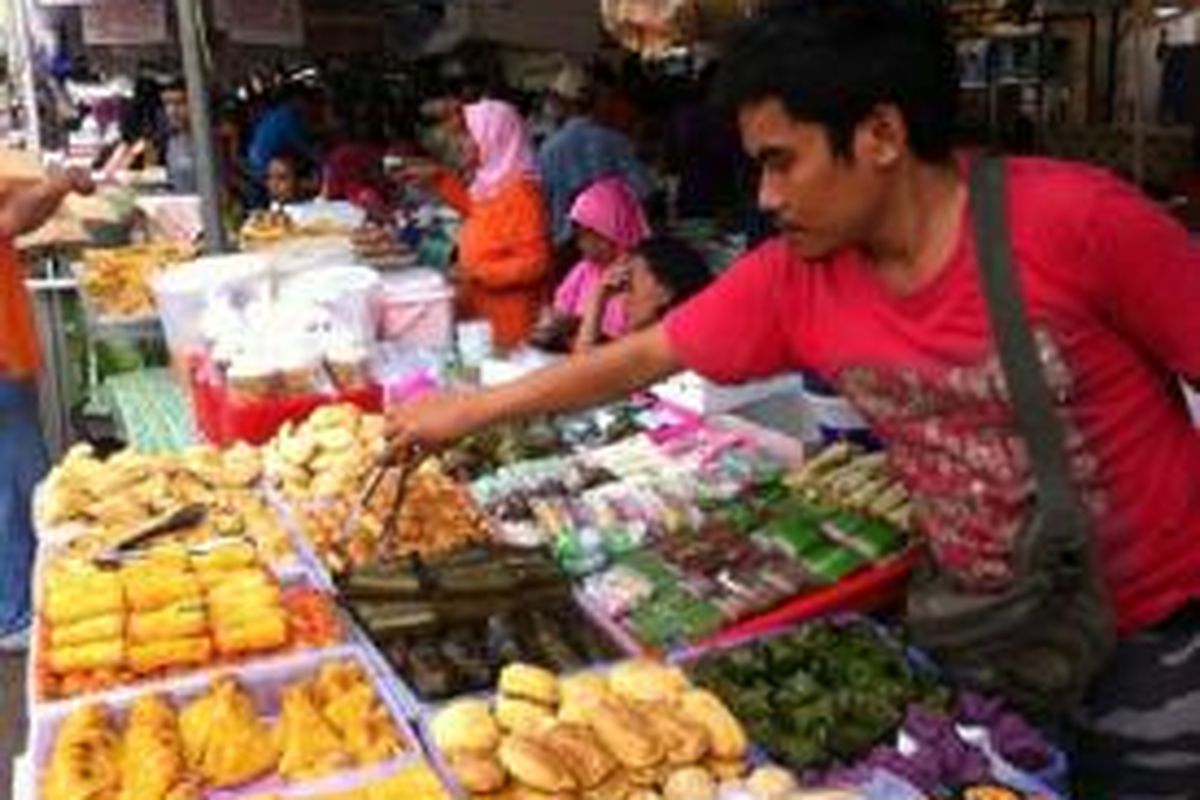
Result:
{"points": [[223, 418], [870, 590]]}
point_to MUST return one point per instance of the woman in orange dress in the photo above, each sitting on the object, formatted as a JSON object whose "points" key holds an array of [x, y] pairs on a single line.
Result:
{"points": [[504, 252]]}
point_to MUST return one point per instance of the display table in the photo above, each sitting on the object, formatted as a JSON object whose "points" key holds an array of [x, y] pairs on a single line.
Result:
{"points": [[151, 411]]}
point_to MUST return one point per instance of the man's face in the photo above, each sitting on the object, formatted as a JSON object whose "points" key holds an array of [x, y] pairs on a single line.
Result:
{"points": [[176, 110], [821, 202], [282, 184]]}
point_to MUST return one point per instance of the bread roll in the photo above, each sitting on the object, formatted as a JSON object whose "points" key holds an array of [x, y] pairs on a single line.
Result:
{"points": [[529, 683], [578, 748], [478, 774], [626, 734], [647, 681], [535, 765], [725, 733], [522, 716], [466, 726]]}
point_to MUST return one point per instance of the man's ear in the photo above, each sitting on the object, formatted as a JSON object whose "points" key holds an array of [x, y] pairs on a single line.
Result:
{"points": [[882, 138]]}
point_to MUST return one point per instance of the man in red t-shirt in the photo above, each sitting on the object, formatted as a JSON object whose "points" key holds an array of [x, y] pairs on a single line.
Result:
{"points": [[848, 108]]}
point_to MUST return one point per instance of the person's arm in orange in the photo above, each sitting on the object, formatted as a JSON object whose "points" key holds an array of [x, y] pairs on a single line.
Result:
{"points": [[515, 249], [26, 207], [450, 188]]}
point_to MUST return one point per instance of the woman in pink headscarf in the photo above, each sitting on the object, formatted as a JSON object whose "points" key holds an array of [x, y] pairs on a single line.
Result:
{"points": [[504, 245], [609, 225]]}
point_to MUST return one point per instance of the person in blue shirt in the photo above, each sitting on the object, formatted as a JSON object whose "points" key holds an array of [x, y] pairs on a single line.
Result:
{"points": [[582, 152], [290, 126]]}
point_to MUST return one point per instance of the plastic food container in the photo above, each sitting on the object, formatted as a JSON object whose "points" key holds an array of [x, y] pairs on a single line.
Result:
{"points": [[264, 681], [416, 308], [182, 295], [348, 293]]}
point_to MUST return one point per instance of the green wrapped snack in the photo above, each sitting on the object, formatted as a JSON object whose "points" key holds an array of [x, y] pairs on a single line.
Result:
{"points": [[832, 563]]}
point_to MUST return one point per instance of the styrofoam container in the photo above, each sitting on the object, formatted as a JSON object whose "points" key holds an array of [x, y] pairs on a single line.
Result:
{"points": [[350, 293], [264, 681], [416, 308], [182, 294], [697, 394]]}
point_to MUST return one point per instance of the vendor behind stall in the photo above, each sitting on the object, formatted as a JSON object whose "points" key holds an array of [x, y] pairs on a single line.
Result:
{"points": [[180, 157], [609, 224], [662, 273], [291, 179], [874, 284], [504, 243], [23, 207]]}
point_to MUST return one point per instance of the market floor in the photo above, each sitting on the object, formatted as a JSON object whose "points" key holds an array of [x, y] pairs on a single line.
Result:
{"points": [[12, 717]]}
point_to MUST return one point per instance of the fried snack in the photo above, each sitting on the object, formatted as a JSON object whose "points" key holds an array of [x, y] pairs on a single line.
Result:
{"points": [[522, 716], [535, 765], [579, 693], [478, 774], [686, 742], [153, 656], [152, 761], [728, 770], [95, 629], [528, 682], [690, 783], [77, 594], [364, 725], [771, 782], [84, 760], [309, 746], [625, 733], [117, 280], [223, 559], [180, 621], [616, 787], [152, 585], [579, 749], [466, 726], [108, 654], [647, 681], [268, 631], [725, 733], [224, 741]]}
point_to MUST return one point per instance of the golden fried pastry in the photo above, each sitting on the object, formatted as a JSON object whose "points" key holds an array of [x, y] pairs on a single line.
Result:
{"points": [[728, 770], [309, 746], [178, 621], [616, 787], [268, 631], [224, 741], [686, 742], [224, 558], [74, 595], [522, 716], [528, 682], [771, 782], [478, 774], [579, 749], [533, 764], [153, 656], [725, 733], [578, 693], [625, 733], [150, 586], [84, 760], [690, 783], [466, 726], [95, 629], [108, 654], [643, 794], [647, 681], [363, 723], [152, 760]]}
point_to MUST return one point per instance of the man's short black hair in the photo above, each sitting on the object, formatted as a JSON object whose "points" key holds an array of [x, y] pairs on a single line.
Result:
{"points": [[677, 266], [175, 83], [832, 62]]}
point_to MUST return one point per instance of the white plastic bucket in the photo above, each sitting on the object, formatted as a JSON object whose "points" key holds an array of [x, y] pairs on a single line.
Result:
{"points": [[416, 308], [349, 293]]}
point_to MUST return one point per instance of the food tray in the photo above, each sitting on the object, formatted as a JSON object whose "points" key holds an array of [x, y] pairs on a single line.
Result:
{"points": [[114, 328], [419, 706], [1050, 782], [264, 681], [204, 672]]}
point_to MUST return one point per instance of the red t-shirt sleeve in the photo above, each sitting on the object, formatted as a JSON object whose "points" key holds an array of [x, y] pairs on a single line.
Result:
{"points": [[733, 332], [1151, 276]]}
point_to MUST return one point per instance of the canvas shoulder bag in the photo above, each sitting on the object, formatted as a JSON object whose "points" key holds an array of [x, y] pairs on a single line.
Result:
{"points": [[1040, 641]]}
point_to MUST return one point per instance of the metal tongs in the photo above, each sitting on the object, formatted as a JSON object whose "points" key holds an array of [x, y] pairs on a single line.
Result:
{"points": [[406, 459]]}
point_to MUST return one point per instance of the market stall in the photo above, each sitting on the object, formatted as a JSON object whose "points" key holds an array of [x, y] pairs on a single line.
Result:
{"points": [[633, 602]]}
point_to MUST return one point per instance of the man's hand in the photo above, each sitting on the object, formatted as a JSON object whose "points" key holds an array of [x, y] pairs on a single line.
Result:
{"points": [[74, 180], [437, 420]]}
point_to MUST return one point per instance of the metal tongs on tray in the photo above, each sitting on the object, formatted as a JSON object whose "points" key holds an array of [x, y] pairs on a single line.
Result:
{"points": [[405, 460]]}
